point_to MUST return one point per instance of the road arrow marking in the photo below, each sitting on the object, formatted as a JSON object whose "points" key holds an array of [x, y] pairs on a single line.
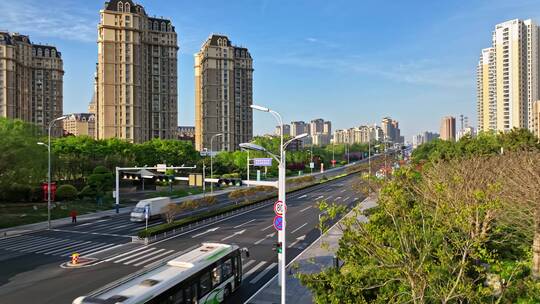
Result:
{"points": [[244, 223], [298, 228], [338, 198], [303, 196], [322, 196], [234, 234], [305, 209], [264, 238], [267, 227], [203, 233], [298, 239]]}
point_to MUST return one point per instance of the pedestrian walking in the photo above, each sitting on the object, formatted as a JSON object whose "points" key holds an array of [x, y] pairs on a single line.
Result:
{"points": [[73, 216]]}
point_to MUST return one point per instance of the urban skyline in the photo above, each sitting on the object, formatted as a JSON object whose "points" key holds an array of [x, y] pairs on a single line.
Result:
{"points": [[453, 63]]}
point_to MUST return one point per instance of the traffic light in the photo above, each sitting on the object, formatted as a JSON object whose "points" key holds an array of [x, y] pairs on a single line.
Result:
{"points": [[278, 247]]}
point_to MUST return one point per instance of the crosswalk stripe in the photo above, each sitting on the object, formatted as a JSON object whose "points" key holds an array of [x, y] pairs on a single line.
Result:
{"points": [[123, 254], [40, 247], [16, 240], [80, 249], [154, 258], [33, 247], [30, 244], [103, 245], [246, 265], [134, 255], [71, 245], [108, 226], [144, 256], [252, 270], [121, 227], [108, 248], [143, 226], [262, 274]]}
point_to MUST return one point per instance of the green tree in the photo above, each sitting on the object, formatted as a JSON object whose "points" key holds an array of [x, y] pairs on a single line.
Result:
{"points": [[100, 181]]}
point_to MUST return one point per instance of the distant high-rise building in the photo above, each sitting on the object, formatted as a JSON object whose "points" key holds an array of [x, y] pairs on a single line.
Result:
{"points": [[223, 94], [507, 77], [327, 127], [423, 138], [137, 95], [448, 128], [316, 126], [391, 130], [79, 124], [298, 127], [31, 81], [286, 130], [536, 118]]}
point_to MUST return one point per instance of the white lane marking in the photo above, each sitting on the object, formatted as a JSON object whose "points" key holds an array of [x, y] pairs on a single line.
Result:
{"points": [[121, 227], [246, 265], [82, 248], [305, 209], [93, 233], [345, 199], [125, 253], [85, 252], [144, 256], [264, 238], [55, 247], [262, 274], [356, 198], [34, 248], [203, 233], [85, 224], [233, 235], [298, 228], [330, 197], [343, 190], [238, 226], [322, 196], [106, 249], [111, 226], [303, 196], [154, 258], [65, 248], [16, 240], [298, 239], [134, 255], [338, 198], [32, 243], [267, 227], [252, 270]]}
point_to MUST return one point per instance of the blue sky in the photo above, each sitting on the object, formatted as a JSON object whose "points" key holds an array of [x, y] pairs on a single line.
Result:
{"points": [[351, 62]]}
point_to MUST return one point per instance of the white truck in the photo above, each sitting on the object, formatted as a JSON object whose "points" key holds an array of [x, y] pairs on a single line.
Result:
{"points": [[156, 207]]}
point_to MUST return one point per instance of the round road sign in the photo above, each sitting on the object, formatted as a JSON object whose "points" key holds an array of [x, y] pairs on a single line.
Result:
{"points": [[278, 223], [279, 208]]}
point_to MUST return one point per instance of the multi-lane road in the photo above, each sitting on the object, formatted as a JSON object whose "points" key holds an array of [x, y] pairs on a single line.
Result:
{"points": [[31, 269]]}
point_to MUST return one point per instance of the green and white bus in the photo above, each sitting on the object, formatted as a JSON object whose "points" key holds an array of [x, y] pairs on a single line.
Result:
{"points": [[208, 274]]}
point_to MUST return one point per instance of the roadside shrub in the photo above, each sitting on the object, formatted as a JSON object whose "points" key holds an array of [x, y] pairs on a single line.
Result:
{"points": [[66, 192], [231, 175], [87, 191], [17, 193]]}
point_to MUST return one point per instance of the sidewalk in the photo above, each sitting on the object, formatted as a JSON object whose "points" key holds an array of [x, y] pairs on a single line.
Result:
{"points": [[315, 258], [5, 232]]}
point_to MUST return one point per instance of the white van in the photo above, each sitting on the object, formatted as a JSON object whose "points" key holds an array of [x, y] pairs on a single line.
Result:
{"points": [[156, 207]]}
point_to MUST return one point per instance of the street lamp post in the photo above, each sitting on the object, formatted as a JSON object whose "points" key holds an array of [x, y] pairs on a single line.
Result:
{"points": [[311, 161], [212, 160], [281, 193], [51, 124], [333, 155]]}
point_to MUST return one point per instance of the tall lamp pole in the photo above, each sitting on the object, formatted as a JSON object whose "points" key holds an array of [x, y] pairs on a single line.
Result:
{"points": [[51, 124], [281, 193], [212, 160]]}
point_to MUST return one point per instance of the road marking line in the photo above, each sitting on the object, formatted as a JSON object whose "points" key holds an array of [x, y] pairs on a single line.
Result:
{"points": [[305, 209], [298, 228], [238, 226], [95, 249], [134, 255], [345, 199], [16, 240], [267, 227], [303, 196], [203, 233], [119, 245], [120, 227], [48, 248], [143, 226], [343, 190], [144, 256], [246, 265], [338, 198], [65, 248], [233, 235], [83, 248], [322, 196], [85, 224], [32, 243], [34, 248], [108, 227], [125, 253], [93, 233], [297, 241], [262, 274], [356, 198], [252, 270], [154, 258]]}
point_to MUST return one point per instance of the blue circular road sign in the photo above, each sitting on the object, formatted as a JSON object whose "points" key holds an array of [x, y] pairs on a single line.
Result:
{"points": [[278, 222]]}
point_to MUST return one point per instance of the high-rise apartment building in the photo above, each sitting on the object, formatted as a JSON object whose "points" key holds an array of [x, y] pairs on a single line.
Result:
{"points": [[286, 130], [423, 138], [507, 77], [316, 126], [137, 77], [31, 81], [79, 124], [223, 94], [298, 127], [391, 130], [448, 128], [536, 118]]}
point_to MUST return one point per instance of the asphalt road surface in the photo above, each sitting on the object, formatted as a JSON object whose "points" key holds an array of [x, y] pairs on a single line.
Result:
{"points": [[30, 264]]}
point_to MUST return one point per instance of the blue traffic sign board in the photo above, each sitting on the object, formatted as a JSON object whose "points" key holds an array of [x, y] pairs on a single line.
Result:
{"points": [[262, 162], [278, 222]]}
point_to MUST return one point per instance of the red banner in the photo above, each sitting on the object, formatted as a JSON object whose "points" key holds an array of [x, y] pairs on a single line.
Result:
{"points": [[45, 187]]}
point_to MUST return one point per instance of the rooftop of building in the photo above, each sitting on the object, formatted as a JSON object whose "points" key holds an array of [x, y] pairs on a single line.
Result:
{"points": [[80, 116]]}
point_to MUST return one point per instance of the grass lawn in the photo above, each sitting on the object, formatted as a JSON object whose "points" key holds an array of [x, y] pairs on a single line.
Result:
{"points": [[27, 213]]}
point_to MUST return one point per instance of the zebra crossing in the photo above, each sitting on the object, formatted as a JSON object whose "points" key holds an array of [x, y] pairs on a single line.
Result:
{"points": [[254, 271], [112, 227], [53, 246], [141, 256]]}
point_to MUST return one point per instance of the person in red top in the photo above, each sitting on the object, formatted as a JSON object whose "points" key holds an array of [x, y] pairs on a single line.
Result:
{"points": [[73, 216]]}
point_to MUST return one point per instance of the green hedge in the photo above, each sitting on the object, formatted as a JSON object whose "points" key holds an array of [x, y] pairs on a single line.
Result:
{"points": [[66, 192]]}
